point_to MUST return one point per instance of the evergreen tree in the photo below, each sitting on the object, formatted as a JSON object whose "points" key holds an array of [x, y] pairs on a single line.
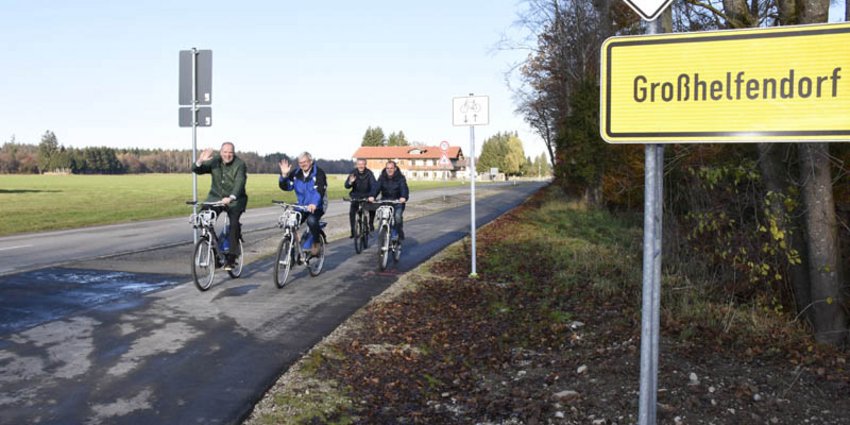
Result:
{"points": [[397, 139], [48, 147], [374, 137]]}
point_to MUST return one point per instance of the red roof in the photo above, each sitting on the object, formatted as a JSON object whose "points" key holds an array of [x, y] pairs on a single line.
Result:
{"points": [[405, 152]]}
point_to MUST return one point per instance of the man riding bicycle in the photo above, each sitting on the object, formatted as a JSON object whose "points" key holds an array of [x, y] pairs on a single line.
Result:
{"points": [[392, 185], [310, 183], [361, 181], [229, 174]]}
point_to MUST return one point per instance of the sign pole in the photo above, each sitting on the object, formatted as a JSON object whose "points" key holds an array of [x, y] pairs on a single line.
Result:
{"points": [[472, 174], [651, 304], [195, 136], [470, 111]]}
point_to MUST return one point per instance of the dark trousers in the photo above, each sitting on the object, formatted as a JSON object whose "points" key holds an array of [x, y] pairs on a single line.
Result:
{"points": [[235, 232], [399, 220], [352, 216], [312, 220]]}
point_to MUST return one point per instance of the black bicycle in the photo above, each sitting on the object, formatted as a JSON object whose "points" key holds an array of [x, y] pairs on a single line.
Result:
{"points": [[211, 249], [290, 251], [361, 225], [388, 243]]}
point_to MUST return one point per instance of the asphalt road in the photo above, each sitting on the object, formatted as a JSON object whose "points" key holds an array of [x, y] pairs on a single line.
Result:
{"points": [[124, 355], [34, 250]]}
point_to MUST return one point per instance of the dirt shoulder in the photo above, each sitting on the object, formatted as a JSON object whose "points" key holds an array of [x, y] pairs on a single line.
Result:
{"points": [[549, 334]]}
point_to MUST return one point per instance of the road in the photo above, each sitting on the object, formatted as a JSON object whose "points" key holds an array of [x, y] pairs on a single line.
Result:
{"points": [[30, 251], [177, 355]]}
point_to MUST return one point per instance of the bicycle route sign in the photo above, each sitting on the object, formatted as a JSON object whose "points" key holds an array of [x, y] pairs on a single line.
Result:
{"points": [[471, 110], [781, 84]]}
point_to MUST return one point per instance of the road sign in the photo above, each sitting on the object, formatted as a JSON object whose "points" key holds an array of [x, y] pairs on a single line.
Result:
{"points": [[204, 116], [648, 9], [471, 110], [445, 161], [444, 146], [203, 77], [783, 84]]}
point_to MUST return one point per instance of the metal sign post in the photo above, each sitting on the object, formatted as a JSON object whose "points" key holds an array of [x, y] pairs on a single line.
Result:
{"points": [[651, 304], [471, 111], [195, 74]]}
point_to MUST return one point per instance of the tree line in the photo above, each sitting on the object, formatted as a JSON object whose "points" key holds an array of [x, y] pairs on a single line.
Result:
{"points": [[49, 156], [504, 151], [772, 221]]}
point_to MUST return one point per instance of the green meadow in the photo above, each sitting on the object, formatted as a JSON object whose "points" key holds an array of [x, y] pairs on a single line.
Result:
{"points": [[34, 203]]}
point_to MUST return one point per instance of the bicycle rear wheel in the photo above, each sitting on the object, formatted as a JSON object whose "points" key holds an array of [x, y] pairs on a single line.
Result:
{"points": [[284, 261], [383, 247], [317, 262], [203, 264], [238, 262]]}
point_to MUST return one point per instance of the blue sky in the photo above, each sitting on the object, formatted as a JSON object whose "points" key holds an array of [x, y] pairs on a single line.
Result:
{"points": [[287, 76]]}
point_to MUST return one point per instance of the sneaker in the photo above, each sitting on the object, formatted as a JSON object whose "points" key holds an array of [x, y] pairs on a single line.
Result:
{"points": [[228, 267]]}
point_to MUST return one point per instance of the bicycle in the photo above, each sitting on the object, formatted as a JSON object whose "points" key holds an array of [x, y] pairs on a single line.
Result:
{"points": [[361, 225], [387, 238], [211, 249], [290, 252]]}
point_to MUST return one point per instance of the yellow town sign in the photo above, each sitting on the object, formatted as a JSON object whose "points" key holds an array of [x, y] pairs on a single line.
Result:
{"points": [[783, 84]]}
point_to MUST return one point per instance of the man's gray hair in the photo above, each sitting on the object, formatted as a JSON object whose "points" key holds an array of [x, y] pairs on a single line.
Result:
{"points": [[305, 155], [231, 145]]}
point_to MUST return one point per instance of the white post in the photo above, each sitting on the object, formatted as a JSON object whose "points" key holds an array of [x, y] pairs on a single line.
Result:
{"points": [[472, 173]]}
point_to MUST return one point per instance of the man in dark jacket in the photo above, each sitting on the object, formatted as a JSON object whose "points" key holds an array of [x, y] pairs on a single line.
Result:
{"points": [[309, 183], [361, 181], [229, 175], [393, 186]]}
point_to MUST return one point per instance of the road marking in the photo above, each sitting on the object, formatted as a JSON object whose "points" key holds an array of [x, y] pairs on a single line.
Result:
{"points": [[15, 247]]}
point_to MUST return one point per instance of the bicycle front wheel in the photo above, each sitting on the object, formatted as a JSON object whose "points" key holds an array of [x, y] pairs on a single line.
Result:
{"points": [[203, 264], [396, 251], [358, 233], [284, 261], [383, 247], [316, 263], [238, 262], [364, 234]]}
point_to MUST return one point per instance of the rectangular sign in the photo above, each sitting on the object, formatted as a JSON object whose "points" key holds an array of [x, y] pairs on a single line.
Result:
{"points": [[783, 84], [471, 110], [203, 77], [184, 116]]}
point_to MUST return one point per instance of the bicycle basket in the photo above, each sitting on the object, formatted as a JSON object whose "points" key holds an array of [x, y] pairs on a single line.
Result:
{"points": [[384, 212], [289, 218], [203, 219]]}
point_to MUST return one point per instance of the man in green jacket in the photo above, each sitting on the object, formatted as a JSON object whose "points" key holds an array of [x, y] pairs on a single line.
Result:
{"points": [[228, 186]]}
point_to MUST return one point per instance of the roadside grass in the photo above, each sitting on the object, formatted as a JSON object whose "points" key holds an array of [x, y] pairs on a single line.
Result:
{"points": [[34, 203], [556, 282]]}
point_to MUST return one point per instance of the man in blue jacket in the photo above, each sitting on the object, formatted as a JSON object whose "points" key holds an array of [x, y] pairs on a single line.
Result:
{"points": [[309, 183], [361, 181], [393, 186]]}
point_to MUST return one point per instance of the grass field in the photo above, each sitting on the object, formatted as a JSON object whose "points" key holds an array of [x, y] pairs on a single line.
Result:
{"points": [[34, 203]]}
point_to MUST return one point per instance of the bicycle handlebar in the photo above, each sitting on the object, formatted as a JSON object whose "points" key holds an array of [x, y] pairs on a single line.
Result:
{"points": [[207, 204], [285, 204], [347, 199]]}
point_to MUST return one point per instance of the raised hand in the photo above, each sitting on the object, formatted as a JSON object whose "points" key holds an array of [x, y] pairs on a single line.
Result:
{"points": [[206, 155], [352, 178], [284, 167]]}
